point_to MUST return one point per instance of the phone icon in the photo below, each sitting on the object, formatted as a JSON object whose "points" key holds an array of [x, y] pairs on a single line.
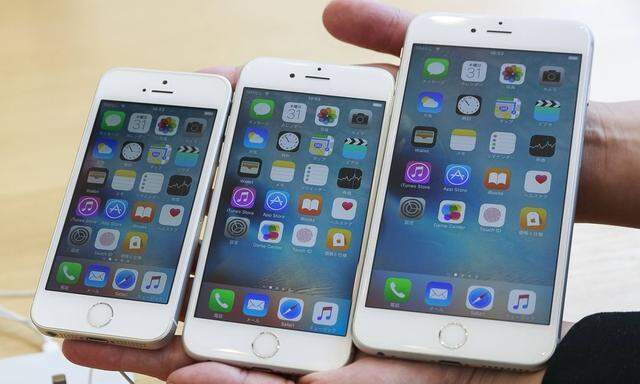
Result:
{"points": [[221, 300], [397, 289], [68, 273]]}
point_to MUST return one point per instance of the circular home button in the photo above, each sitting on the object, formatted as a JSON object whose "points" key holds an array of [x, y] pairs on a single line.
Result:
{"points": [[453, 336], [265, 345], [99, 315]]}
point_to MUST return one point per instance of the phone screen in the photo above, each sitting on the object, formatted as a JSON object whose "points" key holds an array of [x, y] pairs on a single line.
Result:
{"points": [[474, 202], [126, 224], [291, 216]]}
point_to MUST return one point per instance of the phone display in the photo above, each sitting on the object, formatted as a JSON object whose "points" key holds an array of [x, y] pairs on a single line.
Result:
{"points": [[290, 221], [125, 228], [475, 197]]}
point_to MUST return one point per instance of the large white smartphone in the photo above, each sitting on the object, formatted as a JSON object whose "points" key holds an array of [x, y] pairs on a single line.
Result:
{"points": [[130, 220], [279, 264], [468, 253]]}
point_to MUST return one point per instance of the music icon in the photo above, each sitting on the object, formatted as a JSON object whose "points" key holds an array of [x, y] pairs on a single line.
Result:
{"points": [[325, 313], [521, 302], [243, 197], [153, 282], [417, 172], [87, 206]]}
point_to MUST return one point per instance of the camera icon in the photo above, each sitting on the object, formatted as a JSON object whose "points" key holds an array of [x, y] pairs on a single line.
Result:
{"points": [[359, 118], [551, 76]]}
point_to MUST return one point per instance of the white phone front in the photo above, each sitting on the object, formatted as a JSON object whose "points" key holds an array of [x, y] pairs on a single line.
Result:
{"points": [[276, 276], [467, 257], [123, 244]]}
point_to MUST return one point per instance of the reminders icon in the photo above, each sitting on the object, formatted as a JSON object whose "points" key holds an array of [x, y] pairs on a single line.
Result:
{"points": [[463, 140], [502, 143]]}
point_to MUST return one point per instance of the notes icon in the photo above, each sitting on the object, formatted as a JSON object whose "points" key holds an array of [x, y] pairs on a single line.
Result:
{"points": [[463, 140], [282, 170], [123, 180]]}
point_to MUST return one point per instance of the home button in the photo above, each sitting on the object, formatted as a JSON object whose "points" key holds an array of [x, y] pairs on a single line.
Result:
{"points": [[99, 315], [265, 345], [453, 335]]}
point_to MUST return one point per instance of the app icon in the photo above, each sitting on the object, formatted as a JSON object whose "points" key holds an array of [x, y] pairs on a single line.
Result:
{"points": [[112, 120], [255, 138], [125, 279], [354, 148], [79, 235], [542, 146], [309, 204], [262, 109], [236, 227], [288, 141], [497, 178], [104, 148], [87, 206], [435, 68], [412, 208], [475, 71], [96, 276], [338, 239], [255, 305], [139, 123], [327, 116], [463, 140], [537, 181], [507, 108], [546, 110], [171, 215], [451, 211], [187, 156], [480, 298], [551, 75], [304, 235], [359, 118], [533, 219], [151, 182], [115, 209], [194, 126], [131, 150], [123, 180], [221, 300], [512, 73], [243, 197], [397, 290], [249, 167], [325, 313], [417, 172], [159, 154], [167, 125], [430, 102], [276, 201], [135, 242], [349, 178], [97, 176], [107, 239], [468, 105], [290, 309], [143, 211], [521, 302], [294, 112], [502, 143], [68, 273], [153, 282], [179, 185], [457, 175], [316, 174], [344, 209], [270, 231], [321, 145], [492, 215], [438, 293], [282, 170], [424, 137]]}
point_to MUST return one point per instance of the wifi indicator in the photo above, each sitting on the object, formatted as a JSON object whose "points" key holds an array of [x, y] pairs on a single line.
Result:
{"points": [[542, 146], [349, 178]]}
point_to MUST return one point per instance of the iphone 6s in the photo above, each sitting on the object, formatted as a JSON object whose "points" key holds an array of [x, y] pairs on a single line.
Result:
{"points": [[468, 253], [130, 219]]}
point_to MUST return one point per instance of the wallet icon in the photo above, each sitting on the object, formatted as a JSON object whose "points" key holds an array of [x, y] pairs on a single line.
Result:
{"points": [[255, 305], [439, 294], [97, 276]]}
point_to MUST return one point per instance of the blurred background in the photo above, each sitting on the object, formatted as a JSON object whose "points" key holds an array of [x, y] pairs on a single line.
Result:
{"points": [[53, 53]]}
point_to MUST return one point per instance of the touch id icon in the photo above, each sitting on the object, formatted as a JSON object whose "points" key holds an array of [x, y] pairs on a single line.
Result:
{"points": [[338, 239], [304, 235]]}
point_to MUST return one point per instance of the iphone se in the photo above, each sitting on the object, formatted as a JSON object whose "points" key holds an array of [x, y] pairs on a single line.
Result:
{"points": [[468, 253], [131, 216], [279, 263]]}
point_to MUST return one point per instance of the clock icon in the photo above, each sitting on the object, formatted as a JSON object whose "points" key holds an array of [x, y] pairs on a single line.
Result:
{"points": [[288, 141], [131, 151], [468, 105]]}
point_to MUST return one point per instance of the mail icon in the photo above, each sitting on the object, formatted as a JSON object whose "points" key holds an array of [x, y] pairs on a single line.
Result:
{"points": [[439, 293], [255, 305], [97, 276]]}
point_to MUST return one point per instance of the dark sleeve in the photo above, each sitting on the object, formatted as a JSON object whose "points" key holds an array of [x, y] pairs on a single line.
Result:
{"points": [[601, 348]]}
